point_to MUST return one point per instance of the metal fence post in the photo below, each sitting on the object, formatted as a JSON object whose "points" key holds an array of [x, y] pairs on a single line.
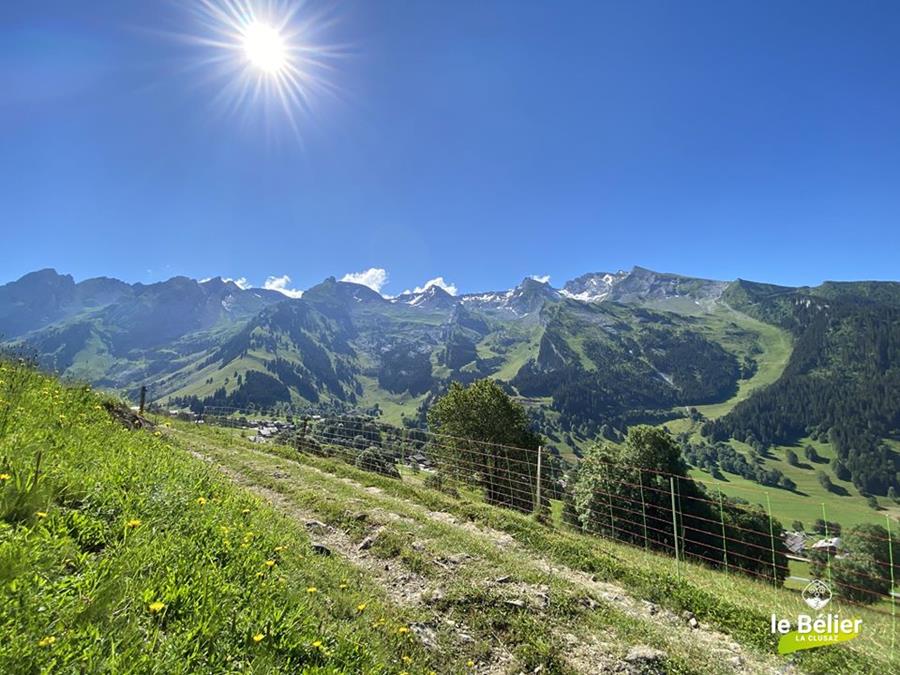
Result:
{"points": [[674, 525], [643, 508], [724, 538], [887, 519], [612, 518], [538, 485], [827, 556], [772, 541]]}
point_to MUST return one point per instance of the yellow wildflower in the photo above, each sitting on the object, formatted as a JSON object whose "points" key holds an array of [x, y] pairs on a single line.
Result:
{"points": [[402, 630], [279, 549], [156, 607], [406, 659], [5, 476], [470, 663], [133, 523], [317, 644], [260, 574], [47, 641], [360, 607], [312, 589], [201, 500], [258, 637], [245, 511], [270, 563], [41, 514], [342, 586]]}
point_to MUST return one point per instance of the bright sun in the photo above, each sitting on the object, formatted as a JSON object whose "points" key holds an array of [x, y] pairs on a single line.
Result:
{"points": [[264, 47], [266, 55]]}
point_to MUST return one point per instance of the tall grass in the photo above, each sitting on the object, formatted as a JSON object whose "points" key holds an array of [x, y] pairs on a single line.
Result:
{"points": [[120, 553]]}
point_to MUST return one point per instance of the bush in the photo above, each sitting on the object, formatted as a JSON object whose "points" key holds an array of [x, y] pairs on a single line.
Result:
{"points": [[376, 460], [303, 442], [858, 578], [840, 469], [830, 528], [436, 481], [617, 487], [494, 438]]}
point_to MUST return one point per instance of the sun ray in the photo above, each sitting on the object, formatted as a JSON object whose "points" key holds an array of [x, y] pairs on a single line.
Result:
{"points": [[265, 57]]}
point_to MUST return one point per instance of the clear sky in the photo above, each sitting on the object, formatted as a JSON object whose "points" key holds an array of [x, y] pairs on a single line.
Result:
{"points": [[479, 141]]}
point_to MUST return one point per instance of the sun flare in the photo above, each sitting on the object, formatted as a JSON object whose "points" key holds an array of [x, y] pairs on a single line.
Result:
{"points": [[266, 56], [264, 47]]}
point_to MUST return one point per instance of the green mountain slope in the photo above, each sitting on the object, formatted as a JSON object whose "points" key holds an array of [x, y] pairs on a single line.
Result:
{"points": [[841, 383], [605, 351]]}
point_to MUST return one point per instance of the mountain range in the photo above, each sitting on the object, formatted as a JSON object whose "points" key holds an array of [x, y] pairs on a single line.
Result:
{"points": [[603, 351]]}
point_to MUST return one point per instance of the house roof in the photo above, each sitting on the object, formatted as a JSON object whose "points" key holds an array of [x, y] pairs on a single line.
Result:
{"points": [[795, 542]]}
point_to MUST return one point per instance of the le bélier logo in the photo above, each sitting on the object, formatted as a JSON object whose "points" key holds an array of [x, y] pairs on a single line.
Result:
{"points": [[814, 631]]}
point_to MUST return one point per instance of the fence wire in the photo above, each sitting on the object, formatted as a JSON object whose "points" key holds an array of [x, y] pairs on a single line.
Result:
{"points": [[681, 516]]}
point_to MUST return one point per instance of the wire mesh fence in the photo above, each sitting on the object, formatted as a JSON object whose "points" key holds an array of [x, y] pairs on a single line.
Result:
{"points": [[689, 519]]}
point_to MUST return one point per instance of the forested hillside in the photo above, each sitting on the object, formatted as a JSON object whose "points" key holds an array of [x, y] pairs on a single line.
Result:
{"points": [[842, 382]]}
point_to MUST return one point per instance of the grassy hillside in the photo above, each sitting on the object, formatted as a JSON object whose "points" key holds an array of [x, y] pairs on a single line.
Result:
{"points": [[189, 549], [122, 553], [841, 381], [460, 547], [844, 504], [770, 349]]}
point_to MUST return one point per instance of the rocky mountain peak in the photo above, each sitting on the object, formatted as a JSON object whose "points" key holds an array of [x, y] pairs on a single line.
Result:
{"points": [[593, 287], [333, 291]]}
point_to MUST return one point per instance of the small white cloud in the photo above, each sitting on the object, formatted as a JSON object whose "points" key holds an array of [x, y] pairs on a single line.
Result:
{"points": [[437, 281], [541, 279], [374, 277], [279, 284]]}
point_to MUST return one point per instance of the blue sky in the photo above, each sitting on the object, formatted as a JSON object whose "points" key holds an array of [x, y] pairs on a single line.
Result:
{"points": [[477, 141]]}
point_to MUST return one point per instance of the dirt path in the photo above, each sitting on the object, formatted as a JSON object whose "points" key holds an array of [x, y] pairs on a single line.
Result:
{"points": [[588, 654], [403, 586], [733, 655]]}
